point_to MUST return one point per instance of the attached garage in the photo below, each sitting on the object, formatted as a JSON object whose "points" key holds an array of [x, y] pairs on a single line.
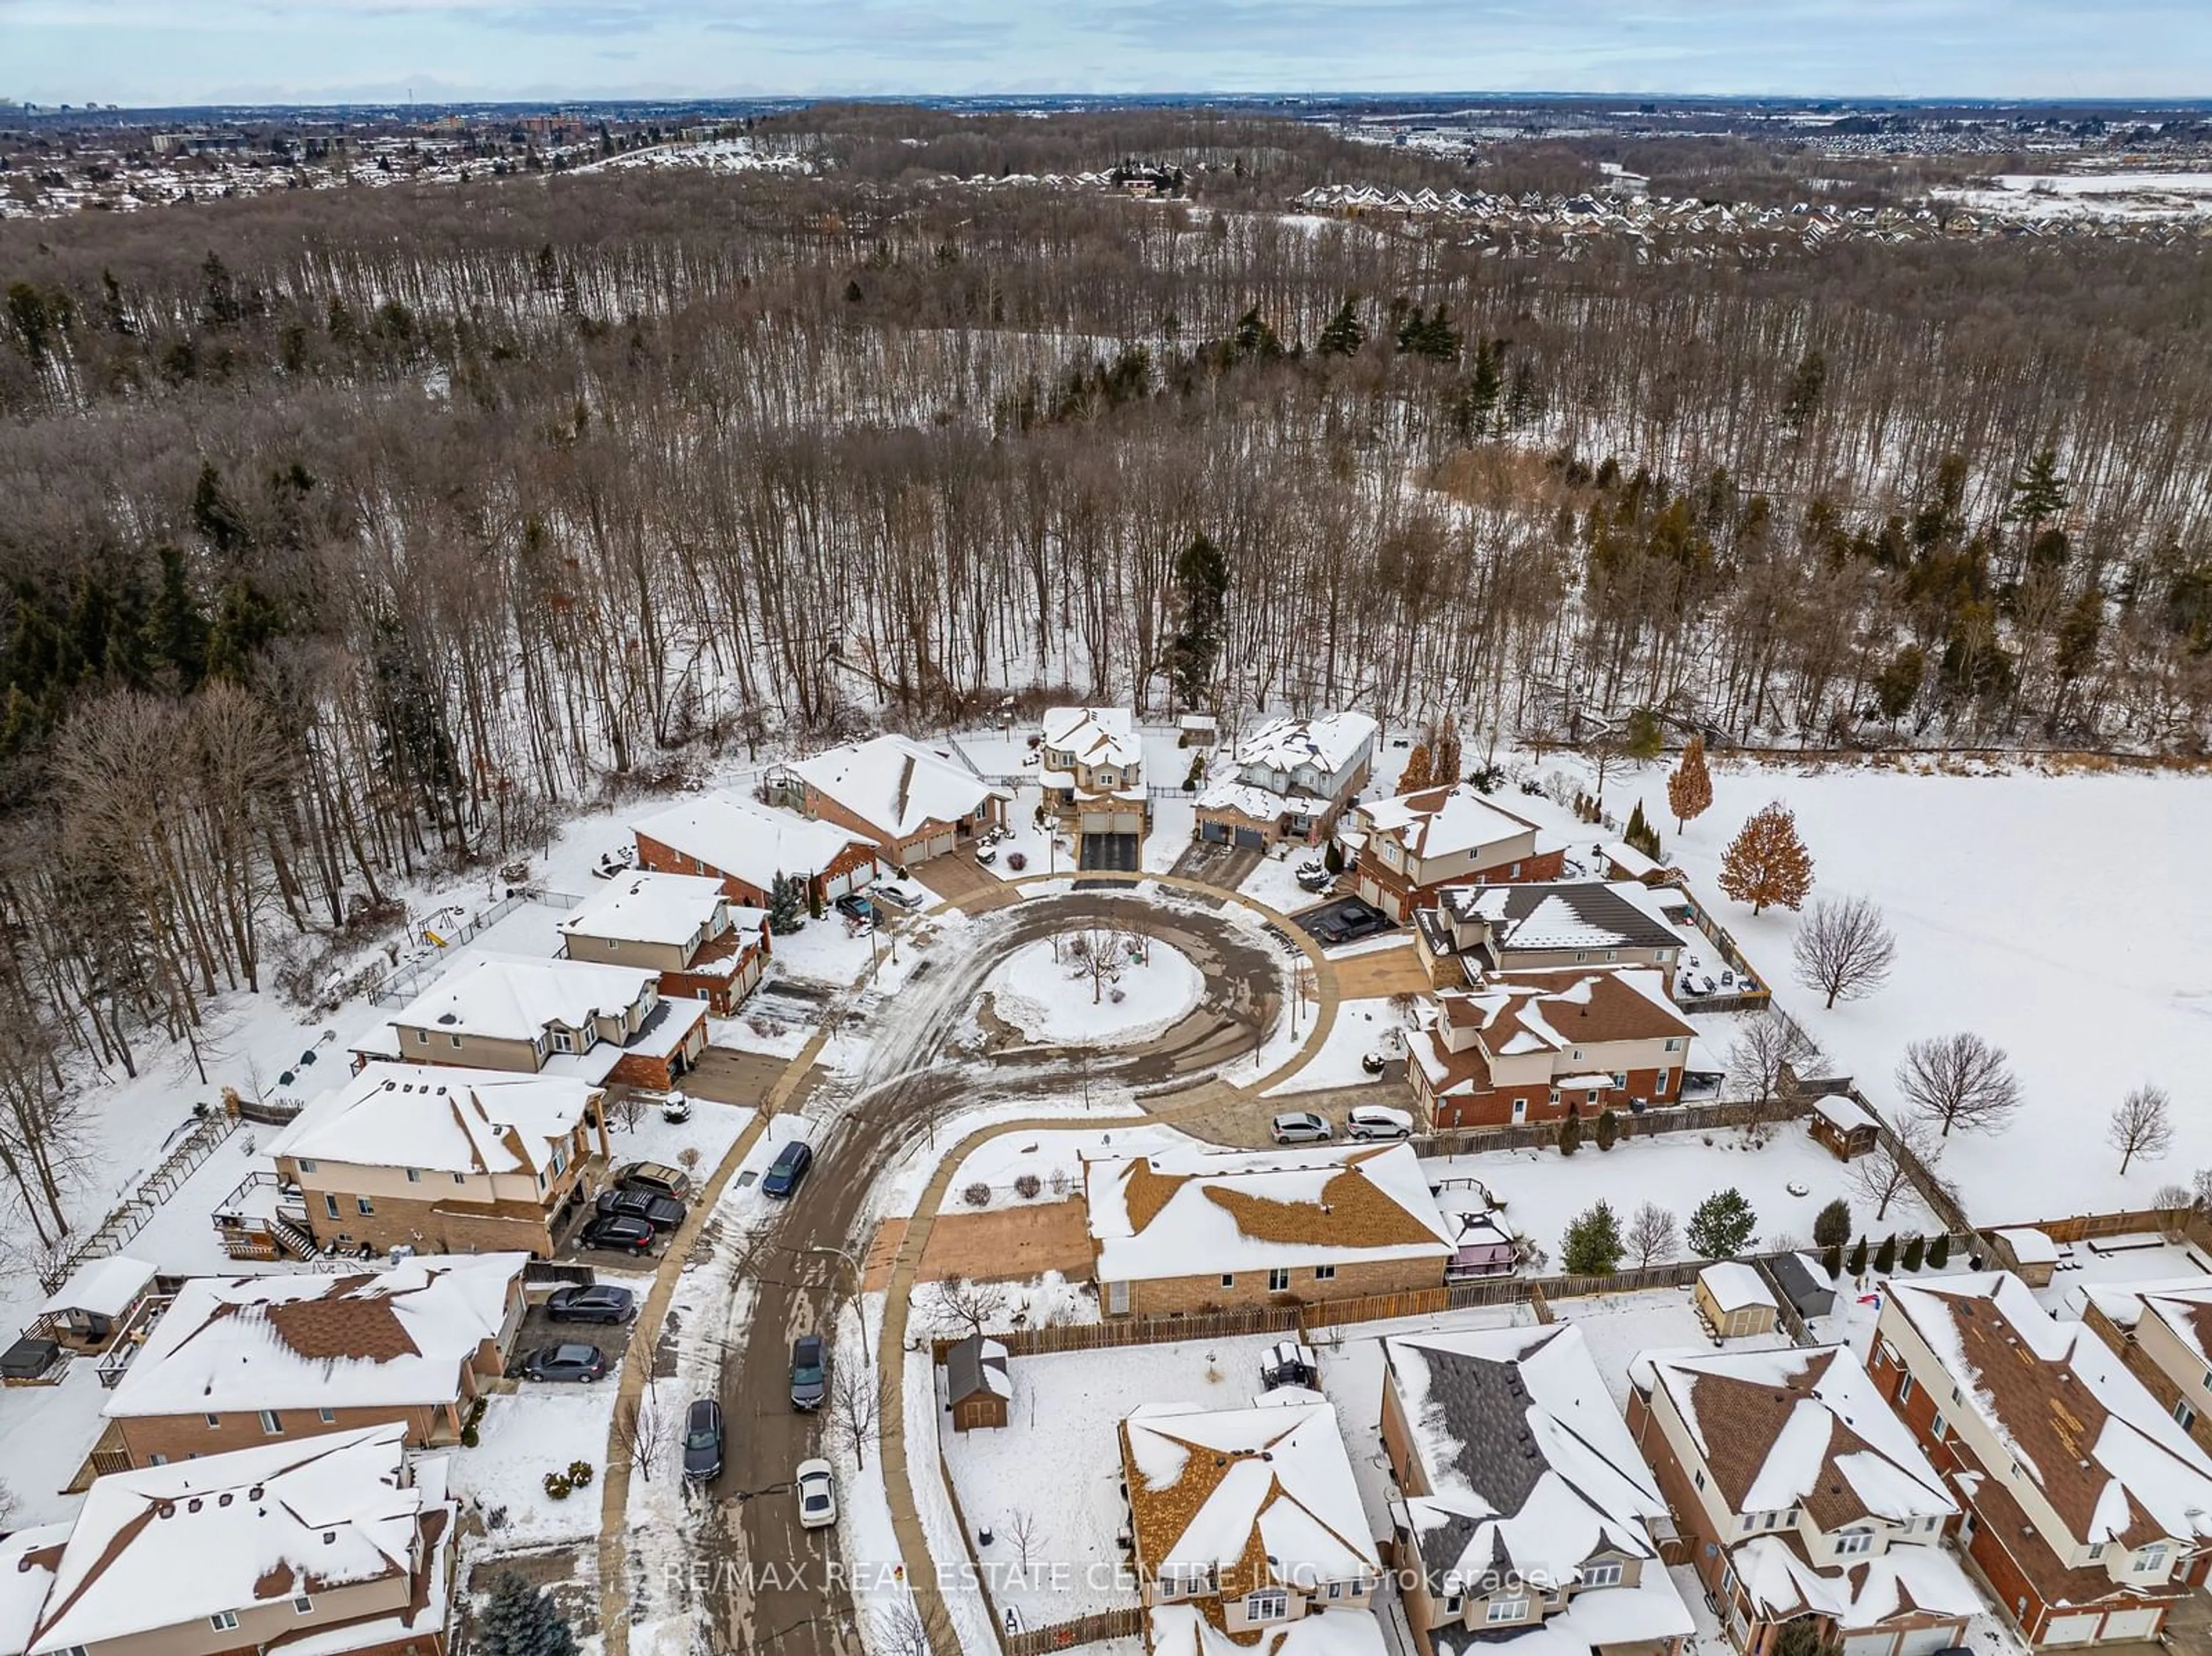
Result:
{"points": [[2077, 1628], [2141, 1623], [1870, 1644], [1928, 1640], [1251, 839], [834, 886], [939, 845], [1128, 821], [1214, 832]]}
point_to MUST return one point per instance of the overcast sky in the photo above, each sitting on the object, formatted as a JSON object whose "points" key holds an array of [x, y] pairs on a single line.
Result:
{"points": [[175, 51]]}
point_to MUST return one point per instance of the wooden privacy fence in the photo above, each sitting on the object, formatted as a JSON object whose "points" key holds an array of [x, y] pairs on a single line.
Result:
{"points": [[1668, 1119], [1126, 1622]]}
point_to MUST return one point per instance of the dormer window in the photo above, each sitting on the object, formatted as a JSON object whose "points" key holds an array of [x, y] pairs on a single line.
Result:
{"points": [[564, 1041], [2151, 1560], [1851, 1544]]}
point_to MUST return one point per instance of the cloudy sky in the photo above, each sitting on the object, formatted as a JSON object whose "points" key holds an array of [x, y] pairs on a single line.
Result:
{"points": [[169, 52]]}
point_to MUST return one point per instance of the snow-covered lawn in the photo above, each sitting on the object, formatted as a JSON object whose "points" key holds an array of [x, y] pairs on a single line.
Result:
{"points": [[1049, 994], [1047, 1301], [1619, 1327], [45, 1433], [711, 1131], [1055, 1157], [1543, 1189], [1362, 1026], [524, 1435], [1275, 881]]}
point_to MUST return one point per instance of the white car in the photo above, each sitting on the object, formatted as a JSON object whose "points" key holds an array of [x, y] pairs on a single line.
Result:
{"points": [[818, 1496], [1378, 1121], [1299, 1127]]}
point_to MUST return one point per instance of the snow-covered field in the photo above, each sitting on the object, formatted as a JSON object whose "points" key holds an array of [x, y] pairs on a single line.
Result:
{"points": [[524, 1435], [2112, 195], [1543, 1189], [1051, 996], [1055, 1158]]}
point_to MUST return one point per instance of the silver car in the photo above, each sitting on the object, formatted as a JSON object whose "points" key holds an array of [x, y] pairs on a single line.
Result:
{"points": [[1300, 1127]]}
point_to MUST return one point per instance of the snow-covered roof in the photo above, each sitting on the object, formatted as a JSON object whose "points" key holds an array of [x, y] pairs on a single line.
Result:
{"points": [[1329, 743], [28, 1559], [1558, 914], [1260, 804], [1449, 821], [895, 784], [1095, 736], [516, 997], [387, 1338], [1782, 1581], [1844, 1112], [1735, 1286], [1559, 1009], [1243, 1498], [1529, 1466], [1631, 861], [1648, 1613], [2114, 1465], [747, 840], [2183, 1306], [104, 1288], [1183, 1630], [2029, 1246], [1801, 1429], [172, 1546], [1190, 1212], [656, 909], [441, 1120]]}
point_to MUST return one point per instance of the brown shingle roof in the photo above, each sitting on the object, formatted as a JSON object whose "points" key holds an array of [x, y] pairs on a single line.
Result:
{"points": [[1352, 1213], [1741, 1421]]}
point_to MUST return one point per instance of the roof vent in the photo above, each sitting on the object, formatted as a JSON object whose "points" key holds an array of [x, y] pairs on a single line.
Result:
{"points": [[448, 1017], [223, 1500], [193, 1505], [330, 1537], [167, 1509]]}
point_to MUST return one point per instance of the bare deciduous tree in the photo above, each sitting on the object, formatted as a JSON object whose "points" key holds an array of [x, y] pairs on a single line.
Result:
{"points": [[905, 1628], [1885, 1173], [969, 1305], [1843, 947], [640, 1432], [1653, 1235], [1024, 1532], [855, 1406], [2142, 1125], [1769, 1048], [1958, 1081]]}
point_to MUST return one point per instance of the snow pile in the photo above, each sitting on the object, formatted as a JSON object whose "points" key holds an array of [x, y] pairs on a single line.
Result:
{"points": [[1047, 990]]}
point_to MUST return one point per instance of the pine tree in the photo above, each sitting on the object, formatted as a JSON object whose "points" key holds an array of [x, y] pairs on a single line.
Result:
{"points": [[1202, 584], [1570, 1133], [1885, 1260], [2038, 494], [177, 627], [522, 1621], [1640, 834], [787, 905], [1939, 1251], [1419, 770], [1832, 1261], [1832, 1226], [1722, 1225], [1593, 1245], [1346, 333], [1690, 789], [1767, 862], [1806, 1636], [1608, 1130], [1858, 1264], [1916, 1252]]}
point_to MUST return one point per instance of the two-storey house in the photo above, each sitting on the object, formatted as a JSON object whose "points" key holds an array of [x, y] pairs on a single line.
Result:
{"points": [[1472, 930], [681, 927], [1288, 780], [1536, 1046], [1412, 846], [440, 1161], [2089, 1507], [1803, 1495], [2163, 1332], [1091, 768], [1521, 1505]]}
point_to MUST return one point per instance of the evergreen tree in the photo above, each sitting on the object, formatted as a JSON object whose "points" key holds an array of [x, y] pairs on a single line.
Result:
{"points": [[1803, 400], [1858, 1264], [1897, 685], [787, 906], [1916, 1252], [1832, 1226], [1570, 1133], [1885, 1260], [1767, 862], [1202, 583], [1690, 789], [176, 630], [1939, 1251], [1419, 770], [1722, 1225], [522, 1621], [1332, 857], [244, 622], [1608, 1130], [1806, 1636], [1593, 1246], [1832, 1261], [1641, 835], [1253, 340], [1344, 333], [2038, 494]]}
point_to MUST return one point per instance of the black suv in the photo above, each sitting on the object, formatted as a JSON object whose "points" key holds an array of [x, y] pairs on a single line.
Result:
{"points": [[702, 1439], [602, 1302], [661, 1212], [618, 1235]]}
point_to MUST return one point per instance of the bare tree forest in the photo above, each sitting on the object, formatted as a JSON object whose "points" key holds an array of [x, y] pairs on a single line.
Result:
{"points": [[352, 534]]}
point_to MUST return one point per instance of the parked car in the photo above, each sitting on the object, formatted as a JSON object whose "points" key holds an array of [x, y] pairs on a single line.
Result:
{"points": [[853, 906], [601, 1303], [565, 1362], [702, 1439], [661, 1212], [809, 1371], [789, 1167], [1378, 1121], [896, 893], [1289, 1363], [818, 1496], [676, 1108], [616, 1233], [653, 1176], [987, 853], [1299, 1127]]}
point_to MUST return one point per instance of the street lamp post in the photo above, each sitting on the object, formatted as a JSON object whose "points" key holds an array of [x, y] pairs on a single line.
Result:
{"points": [[859, 1295]]}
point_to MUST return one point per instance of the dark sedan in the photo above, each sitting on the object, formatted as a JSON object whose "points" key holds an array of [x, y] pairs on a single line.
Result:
{"points": [[661, 1212], [702, 1439], [789, 1167], [619, 1235], [601, 1303], [565, 1362], [810, 1372]]}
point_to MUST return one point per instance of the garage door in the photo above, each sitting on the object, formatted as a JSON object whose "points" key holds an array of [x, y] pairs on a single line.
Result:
{"points": [[1216, 833], [1251, 839], [1928, 1640], [836, 885], [1130, 822], [1870, 1644], [2131, 1623], [938, 845], [2075, 1629]]}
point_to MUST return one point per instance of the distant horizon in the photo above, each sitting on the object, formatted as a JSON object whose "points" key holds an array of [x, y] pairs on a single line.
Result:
{"points": [[161, 54]]}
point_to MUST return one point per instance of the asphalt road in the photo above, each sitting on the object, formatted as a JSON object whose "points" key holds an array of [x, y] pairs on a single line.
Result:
{"points": [[770, 1578]]}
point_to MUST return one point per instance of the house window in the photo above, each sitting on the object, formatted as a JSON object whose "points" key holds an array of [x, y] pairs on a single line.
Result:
{"points": [[1673, 1043], [421, 1037], [328, 1416], [1620, 1079], [1278, 1279], [560, 1161], [1936, 1429], [1506, 1609], [414, 1175], [329, 1206], [1271, 1605], [157, 1460], [1664, 956], [2184, 1415], [306, 1164], [1750, 1522], [1517, 872], [1602, 1575], [1228, 1281], [564, 1041], [460, 1178], [1324, 1273], [1555, 1098], [2096, 1551], [1580, 955], [1850, 1543], [1659, 1084], [1610, 953], [215, 1419], [1451, 1605], [1905, 1388], [1577, 1055], [366, 1206], [302, 1605], [1336, 1589], [2151, 1560], [454, 1040], [1697, 1477], [222, 1621], [272, 1423]]}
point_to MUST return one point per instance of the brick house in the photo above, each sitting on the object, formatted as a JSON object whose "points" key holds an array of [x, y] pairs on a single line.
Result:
{"points": [[746, 846], [1091, 768], [681, 926], [442, 1160], [1289, 780], [1190, 1230], [909, 802], [342, 1544], [1533, 1045], [2163, 1332], [1411, 847], [599, 1023], [1248, 1518], [238, 1360], [1471, 931], [1522, 1504], [2089, 1507], [1800, 1494]]}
